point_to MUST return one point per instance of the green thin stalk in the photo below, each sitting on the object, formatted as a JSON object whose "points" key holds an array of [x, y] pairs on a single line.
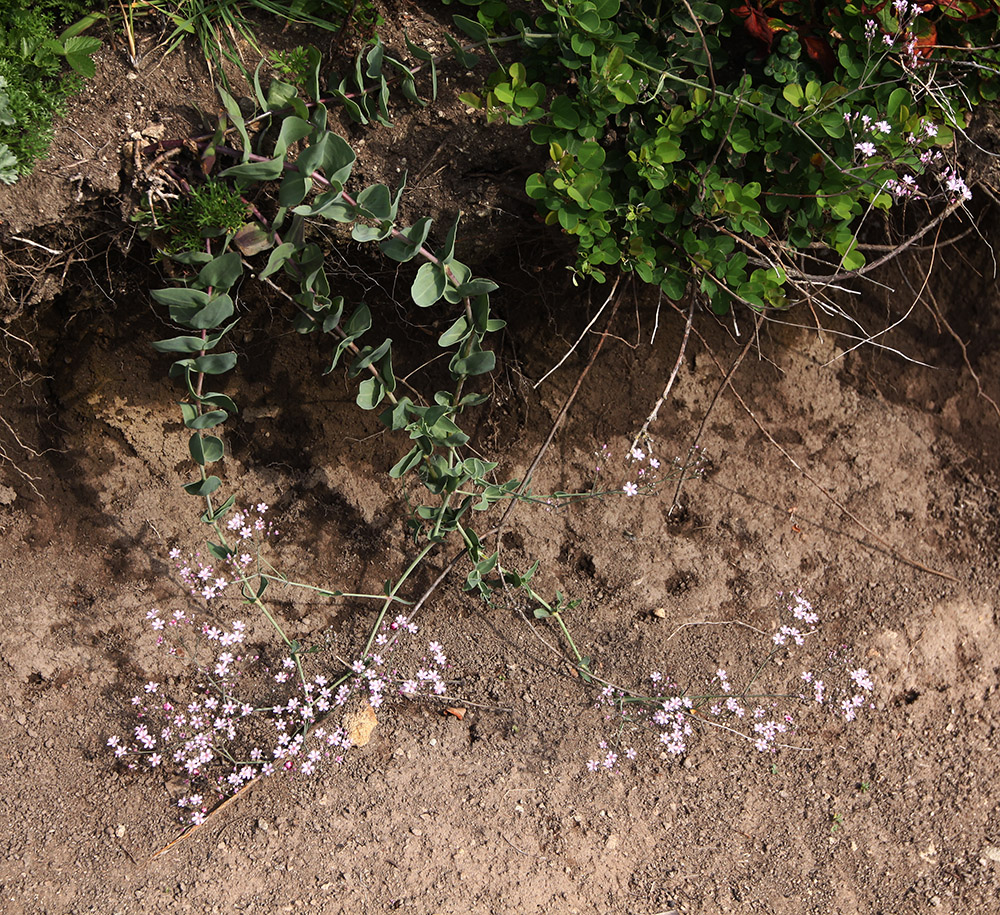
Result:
{"points": [[557, 616], [292, 646], [327, 592], [391, 596]]}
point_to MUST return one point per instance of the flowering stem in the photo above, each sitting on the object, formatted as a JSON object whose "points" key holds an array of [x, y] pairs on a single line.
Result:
{"points": [[391, 597], [293, 647], [326, 592], [557, 616], [569, 638]]}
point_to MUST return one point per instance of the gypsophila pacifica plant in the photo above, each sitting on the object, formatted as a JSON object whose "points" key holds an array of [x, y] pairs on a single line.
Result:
{"points": [[767, 705]]}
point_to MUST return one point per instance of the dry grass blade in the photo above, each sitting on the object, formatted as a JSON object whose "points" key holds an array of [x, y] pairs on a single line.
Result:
{"points": [[670, 382], [561, 416]]}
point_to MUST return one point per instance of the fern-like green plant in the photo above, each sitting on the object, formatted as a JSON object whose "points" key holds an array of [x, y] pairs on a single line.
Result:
{"points": [[33, 87]]}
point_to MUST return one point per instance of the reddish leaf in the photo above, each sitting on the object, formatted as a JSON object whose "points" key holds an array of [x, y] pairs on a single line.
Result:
{"points": [[958, 9], [927, 40], [757, 23], [819, 50]]}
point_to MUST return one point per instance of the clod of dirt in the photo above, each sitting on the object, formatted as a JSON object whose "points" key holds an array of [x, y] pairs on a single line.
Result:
{"points": [[359, 724]]}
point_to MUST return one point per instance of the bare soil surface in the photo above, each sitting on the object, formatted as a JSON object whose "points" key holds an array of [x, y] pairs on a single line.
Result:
{"points": [[892, 531]]}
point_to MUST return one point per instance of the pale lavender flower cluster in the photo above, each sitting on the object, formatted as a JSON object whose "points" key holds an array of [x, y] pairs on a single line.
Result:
{"points": [[671, 711], [904, 37], [672, 721], [667, 715], [646, 471], [203, 579], [373, 677], [219, 739], [957, 189], [645, 476], [802, 610], [872, 134], [428, 679]]}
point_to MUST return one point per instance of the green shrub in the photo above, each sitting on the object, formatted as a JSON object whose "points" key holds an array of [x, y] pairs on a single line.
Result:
{"points": [[33, 84], [724, 150]]}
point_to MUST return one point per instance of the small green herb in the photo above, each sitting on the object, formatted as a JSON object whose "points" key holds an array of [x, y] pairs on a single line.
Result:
{"points": [[33, 86], [292, 65], [212, 209]]}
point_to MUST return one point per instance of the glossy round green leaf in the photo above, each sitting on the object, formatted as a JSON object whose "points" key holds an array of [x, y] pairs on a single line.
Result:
{"points": [[205, 449], [203, 487], [428, 285]]}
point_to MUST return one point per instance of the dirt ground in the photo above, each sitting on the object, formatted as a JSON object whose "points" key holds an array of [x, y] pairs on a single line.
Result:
{"points": [[496, 812]]}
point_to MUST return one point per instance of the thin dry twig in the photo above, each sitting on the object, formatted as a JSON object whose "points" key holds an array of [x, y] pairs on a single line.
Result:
{"points": [[562, 414], [939, 315], [684, 626], [670, 382], [832, 498], [875, 264], [579, 339], [918, 248], [34, 244], [726, 379], [191, 830]]}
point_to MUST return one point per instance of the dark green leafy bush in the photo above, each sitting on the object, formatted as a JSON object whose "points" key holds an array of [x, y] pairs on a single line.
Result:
{"points": [[725, 149]]}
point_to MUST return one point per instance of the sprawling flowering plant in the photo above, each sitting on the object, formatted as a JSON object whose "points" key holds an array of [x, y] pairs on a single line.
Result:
{"points": [[756, 709]]}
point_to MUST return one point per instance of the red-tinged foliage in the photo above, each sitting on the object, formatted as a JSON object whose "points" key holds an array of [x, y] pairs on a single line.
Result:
{"points": [[757, 22], [819, 50], [765, 29], [960, 10], [926, 40]]}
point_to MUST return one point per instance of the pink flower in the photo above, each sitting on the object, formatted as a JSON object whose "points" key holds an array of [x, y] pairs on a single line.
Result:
{"points": [[630, 489]]}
